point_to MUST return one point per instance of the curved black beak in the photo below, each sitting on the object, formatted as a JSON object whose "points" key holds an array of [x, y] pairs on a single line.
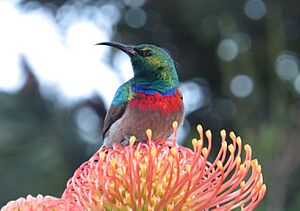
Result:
{"points": [[127, 49]]}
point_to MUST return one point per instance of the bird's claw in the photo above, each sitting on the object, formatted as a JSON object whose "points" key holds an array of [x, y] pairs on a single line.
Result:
{"points": [[125, 141], [140, 140]]}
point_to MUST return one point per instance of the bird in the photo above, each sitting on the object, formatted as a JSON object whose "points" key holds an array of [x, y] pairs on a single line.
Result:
{"points": [[151, 99]]}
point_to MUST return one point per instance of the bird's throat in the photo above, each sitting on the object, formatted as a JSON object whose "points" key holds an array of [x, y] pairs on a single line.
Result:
{"points": [[160, 85]]}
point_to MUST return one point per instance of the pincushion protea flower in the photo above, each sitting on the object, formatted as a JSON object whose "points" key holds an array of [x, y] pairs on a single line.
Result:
{"points": [[41, 203], [161, 175]]}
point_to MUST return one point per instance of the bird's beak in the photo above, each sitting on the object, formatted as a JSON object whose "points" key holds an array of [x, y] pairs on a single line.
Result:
{"points": [[127, 49]]}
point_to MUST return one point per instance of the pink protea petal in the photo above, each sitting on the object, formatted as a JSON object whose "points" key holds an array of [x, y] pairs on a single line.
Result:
{"points": [[41, 203], [162, 175]]}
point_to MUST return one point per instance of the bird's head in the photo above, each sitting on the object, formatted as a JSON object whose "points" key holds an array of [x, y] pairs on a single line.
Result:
{"points": [[149, 62]]}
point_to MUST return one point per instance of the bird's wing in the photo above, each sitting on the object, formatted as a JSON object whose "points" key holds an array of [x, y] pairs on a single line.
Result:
{"points": [[122, 97], [114, 113]]}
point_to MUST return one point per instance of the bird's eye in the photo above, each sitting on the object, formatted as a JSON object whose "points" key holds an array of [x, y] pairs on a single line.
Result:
{"points": [[144, 53]]}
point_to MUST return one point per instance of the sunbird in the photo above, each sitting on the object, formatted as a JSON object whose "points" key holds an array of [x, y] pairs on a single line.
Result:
{"points": [[149, 100]]}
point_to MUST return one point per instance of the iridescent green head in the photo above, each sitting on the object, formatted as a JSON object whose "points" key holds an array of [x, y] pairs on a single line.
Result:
{"points": [[150, 64]]}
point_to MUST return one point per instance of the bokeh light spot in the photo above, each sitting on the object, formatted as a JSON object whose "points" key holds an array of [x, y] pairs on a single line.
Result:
{"points": [[112, 12], [136, 18], [227, 49], [241, 86], [134, 3], [286, 66], [255, 9]]}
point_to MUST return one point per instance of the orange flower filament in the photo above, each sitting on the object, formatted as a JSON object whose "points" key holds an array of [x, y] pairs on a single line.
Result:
{"points": [[162, 175]]}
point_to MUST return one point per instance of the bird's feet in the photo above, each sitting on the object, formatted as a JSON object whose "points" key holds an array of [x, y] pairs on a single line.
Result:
{"points": [[126, 140], [140, 140]]}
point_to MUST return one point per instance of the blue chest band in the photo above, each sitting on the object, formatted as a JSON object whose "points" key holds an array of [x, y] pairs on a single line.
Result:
{"points": [[145, 90]]}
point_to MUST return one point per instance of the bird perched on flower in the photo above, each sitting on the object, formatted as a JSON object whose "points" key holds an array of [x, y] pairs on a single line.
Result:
{"points": [[151, 99]]}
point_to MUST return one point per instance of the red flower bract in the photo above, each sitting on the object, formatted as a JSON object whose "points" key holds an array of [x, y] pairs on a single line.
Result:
{"points": [[162, 175]]}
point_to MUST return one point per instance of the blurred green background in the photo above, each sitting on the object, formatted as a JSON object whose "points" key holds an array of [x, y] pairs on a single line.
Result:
{"points": [[237, 60]]}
